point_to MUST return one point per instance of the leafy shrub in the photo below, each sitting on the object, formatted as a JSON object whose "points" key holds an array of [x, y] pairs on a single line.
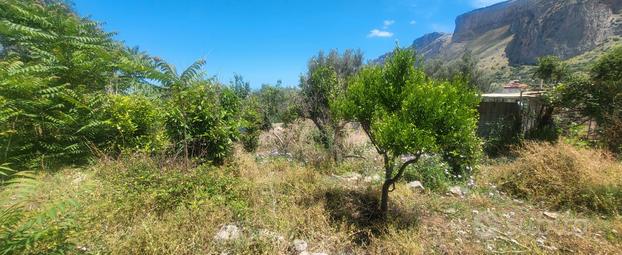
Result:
{"points": [[251, 122], [137, 123], [502, 137], [164, 190], [26, 231], [54, 72], [277, 103], [431, 171], [202, 121], [563, 177], [598, 96]]}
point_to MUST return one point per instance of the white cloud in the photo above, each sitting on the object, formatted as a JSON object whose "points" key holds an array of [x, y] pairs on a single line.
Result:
{"points": [[379, 33], [484, 3], [388, 23], [413, 22]]}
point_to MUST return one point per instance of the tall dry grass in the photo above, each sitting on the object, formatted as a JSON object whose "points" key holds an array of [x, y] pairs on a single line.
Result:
{"points": [[561, 176]]}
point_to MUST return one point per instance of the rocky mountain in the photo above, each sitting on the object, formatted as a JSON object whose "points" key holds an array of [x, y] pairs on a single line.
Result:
{"points": [[517, 32]]}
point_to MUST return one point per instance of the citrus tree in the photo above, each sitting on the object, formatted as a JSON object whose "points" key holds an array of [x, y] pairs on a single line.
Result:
{"points": [[405, 114]]}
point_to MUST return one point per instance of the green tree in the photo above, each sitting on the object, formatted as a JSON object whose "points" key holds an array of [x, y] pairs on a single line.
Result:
{"points": [[241, 88], [57, 70], [202, 116], [406, 114], [598, 96], [328, 76], [550, 69], [278, 104], [250, 126]]}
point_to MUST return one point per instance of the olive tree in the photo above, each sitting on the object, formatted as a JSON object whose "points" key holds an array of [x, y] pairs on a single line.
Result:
{"points": [[327, 76], [406, 114]]}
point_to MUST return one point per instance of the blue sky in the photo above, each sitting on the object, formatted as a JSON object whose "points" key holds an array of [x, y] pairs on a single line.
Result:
{"points": [[269, 40]]}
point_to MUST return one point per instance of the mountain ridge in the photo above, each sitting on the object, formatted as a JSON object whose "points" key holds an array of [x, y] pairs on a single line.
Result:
{"points": [[517, 32]]}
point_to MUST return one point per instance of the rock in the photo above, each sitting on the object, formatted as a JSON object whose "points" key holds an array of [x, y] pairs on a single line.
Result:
{"points": [[299, 245], [551, 215], [416, 186], [456, 191], [509, 215], [271, 235], [352, 177], [540, 241], [372, 178], [79, 178], [450, 211], [471, 182], [227, 232]]}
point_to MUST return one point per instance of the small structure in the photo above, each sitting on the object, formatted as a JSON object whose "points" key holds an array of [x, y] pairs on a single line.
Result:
{"points": [[516, 108], [515, 86]]}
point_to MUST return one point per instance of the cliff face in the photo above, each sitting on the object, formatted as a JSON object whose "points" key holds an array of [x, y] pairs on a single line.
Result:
{"points": [[517, 32], [562, 28], [471, 25]]}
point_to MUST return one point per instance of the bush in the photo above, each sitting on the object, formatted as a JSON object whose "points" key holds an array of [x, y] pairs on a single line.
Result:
{"points": [[612, 132], [202, 121], [137, 123], [143, 181], [598, 96], [564, 177], [503, 135], [251, 125], [24, 230], [431, 171]]}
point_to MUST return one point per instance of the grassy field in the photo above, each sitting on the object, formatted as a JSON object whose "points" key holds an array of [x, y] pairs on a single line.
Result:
{"points": [[272, 201]]}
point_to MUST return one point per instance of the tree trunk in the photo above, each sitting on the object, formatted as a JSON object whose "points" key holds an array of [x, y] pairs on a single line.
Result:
{"points": [[336, 149], [390, 180], [384, 199]]}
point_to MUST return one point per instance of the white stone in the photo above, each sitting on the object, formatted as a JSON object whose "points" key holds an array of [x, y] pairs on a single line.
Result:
{"points": [[300, 245], [416, 185], [352, 177], [551, 215], [79, 179], [372, 178], [228, 232], [450, 211], [271, 235], [456, 190]]}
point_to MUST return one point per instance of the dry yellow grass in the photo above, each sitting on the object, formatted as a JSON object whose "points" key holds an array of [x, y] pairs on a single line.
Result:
{"points": [[286, 200], [563, 177]]}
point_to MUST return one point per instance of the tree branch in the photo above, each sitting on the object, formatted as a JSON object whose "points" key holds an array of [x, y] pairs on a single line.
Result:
{"points": [[367, 130], [400, 172]]}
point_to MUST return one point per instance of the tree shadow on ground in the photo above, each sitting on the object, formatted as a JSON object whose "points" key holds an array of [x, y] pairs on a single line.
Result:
{"points": [[361, 210]]}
